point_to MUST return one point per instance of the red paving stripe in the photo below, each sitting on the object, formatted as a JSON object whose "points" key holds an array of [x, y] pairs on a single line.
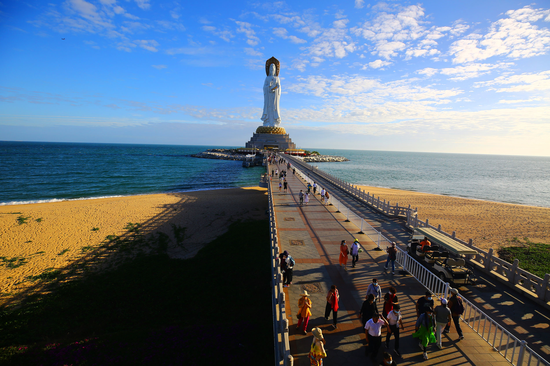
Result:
{"points": [[308, 260]]}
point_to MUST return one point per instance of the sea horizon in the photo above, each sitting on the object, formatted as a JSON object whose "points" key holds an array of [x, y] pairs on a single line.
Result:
{"points": [[37, 172]]}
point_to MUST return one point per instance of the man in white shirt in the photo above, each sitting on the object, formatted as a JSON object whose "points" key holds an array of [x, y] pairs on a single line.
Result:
{"points": [[394, 321], [373, 331]]}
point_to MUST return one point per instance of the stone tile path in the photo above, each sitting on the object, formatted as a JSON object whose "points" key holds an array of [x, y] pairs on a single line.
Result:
{"points": [[312, 234]]}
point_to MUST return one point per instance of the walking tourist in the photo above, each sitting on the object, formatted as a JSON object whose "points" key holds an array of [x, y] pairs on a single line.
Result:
{"points": [[457, 309], [392, 255], [280, 186], [368, 309], [304, 312], [344, 252], [322, 195], [306, 198], [424, 302], [394, 320], [309, 188], [283, 266], [326, 197], [374, 289], [314, 188], [354, 252], [387, 360], [287, 277], [390, 300], [424, 331], [442, 319], [285, 186], [373, 332], [317, 350], [332, 305], [301, 195]]}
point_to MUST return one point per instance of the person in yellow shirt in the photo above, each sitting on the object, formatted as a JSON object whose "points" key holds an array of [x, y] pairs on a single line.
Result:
{"points": [[317, 350], [304, 312]]}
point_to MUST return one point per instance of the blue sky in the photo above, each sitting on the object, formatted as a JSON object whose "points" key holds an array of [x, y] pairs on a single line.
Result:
{"points": [[434, 76]]}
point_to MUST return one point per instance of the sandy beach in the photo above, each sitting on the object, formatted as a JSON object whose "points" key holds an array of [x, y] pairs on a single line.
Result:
{"points": [[40, 237], [54, 235], [488, 224]]}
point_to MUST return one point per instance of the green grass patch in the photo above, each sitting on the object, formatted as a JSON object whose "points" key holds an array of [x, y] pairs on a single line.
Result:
{"points": [[49, 274], [155, 310], [63, 251], [39, 219], [533, 257], [22, 219], [132, 227], [13, 262]]}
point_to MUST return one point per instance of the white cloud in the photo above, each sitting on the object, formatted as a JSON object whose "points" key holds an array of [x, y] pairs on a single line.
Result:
{"points": [[159, 67], [149, 45], [378, 64], [246, 29], [143, 4], [252, 52], [359, 4], [522, 101], [356, 92], [223, 34], [469, 71], [283, 33], [514, 37], [527, 82], [428, 71]]}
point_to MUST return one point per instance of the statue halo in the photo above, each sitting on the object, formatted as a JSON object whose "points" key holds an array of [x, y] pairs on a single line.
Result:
{"points": [[268, 63]]}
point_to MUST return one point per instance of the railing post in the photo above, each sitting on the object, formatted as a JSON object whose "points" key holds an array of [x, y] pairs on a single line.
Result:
{"points": [[378, 242], [543, 289], [514, 272], [489, 260], [521, 352], [361, 230]]}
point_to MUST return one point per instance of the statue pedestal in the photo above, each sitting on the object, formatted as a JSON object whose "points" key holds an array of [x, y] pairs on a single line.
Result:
{"points": [[281, 142]]}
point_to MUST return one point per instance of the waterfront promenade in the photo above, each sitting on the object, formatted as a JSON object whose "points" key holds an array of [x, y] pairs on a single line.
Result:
{"points": [[312, 234]]}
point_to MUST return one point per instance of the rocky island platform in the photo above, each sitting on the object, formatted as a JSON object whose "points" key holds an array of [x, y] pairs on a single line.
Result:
{"points": [[323, 159], [236, 154], [222, 154]]}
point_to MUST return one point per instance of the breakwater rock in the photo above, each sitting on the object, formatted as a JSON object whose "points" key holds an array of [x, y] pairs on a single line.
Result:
{"points": [[324, 159], [221, 154]]}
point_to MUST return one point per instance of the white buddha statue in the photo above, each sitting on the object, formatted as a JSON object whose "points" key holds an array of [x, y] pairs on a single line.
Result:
{"points": [[272, 93]]}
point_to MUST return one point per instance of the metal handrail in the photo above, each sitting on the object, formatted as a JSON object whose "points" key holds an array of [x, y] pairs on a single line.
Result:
{"points": [[281, 341]]}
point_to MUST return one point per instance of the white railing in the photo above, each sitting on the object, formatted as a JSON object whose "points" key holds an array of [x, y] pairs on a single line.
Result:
{"points": [[280, 321], [507, 273], [509, 346], [370, 200]]}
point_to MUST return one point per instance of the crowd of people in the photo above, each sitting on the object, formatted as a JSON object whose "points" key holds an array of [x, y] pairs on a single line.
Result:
{"points": [[432, 321]]}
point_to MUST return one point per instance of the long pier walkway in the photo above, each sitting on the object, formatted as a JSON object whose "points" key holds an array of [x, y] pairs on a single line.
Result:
{"points": [[312, 234]]}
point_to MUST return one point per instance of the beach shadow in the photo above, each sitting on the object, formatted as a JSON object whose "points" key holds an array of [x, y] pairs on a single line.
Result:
{"points": [[128, 302]]}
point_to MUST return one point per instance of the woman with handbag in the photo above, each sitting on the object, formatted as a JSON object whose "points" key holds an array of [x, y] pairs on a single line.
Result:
{"points": [[304, 312]]}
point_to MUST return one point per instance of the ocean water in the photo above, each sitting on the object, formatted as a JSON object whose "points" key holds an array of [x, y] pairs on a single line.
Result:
{"points": [[510, 179], [42, 172]]}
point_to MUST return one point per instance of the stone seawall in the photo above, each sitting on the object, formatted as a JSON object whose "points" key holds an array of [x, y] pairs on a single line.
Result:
{"points": [[221, 154], [229, 154], [324, 159]]}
